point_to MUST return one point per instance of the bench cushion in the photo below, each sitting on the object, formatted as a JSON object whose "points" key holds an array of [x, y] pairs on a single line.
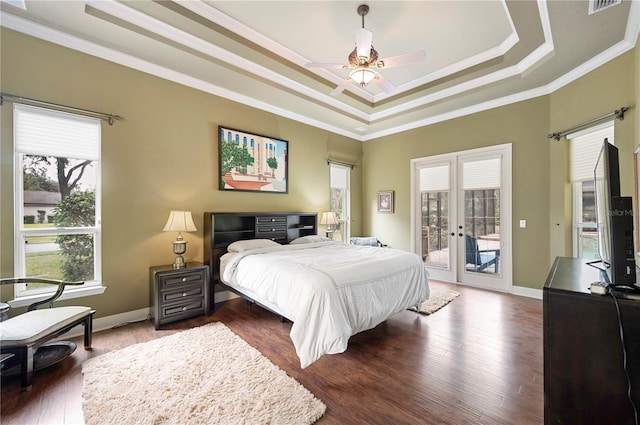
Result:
{"points": [[29, 327]]}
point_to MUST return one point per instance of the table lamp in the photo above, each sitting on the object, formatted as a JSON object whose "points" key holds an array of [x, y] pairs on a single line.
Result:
{"points": [[179, 221], [329, 218]]}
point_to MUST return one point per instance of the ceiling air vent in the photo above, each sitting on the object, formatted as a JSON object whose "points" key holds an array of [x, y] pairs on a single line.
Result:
{"points": [[599, 5]]}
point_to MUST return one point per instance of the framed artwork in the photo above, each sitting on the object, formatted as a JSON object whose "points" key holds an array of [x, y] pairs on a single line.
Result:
{"points": [[249, 162], [385, 201]]}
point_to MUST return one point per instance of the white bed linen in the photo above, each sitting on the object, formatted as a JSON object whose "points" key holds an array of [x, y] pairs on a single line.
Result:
{"points": [[329, 290]]}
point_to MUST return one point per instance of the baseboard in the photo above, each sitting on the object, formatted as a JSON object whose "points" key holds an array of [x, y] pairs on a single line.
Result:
{"points": [[524, 291], [110, 322], [117, 320], [225, 296]]}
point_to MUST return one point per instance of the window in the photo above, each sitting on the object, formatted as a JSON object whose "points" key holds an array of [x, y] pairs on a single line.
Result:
{"points": [[57, 201], [584, 149], [340, 200]]}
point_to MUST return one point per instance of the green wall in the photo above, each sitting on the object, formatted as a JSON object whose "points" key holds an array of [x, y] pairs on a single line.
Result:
{"points": [[523, 124], [540, 189], [163, 156]]}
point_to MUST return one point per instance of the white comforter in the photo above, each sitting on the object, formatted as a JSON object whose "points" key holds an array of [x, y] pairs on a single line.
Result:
{"points": [[329, 290]]}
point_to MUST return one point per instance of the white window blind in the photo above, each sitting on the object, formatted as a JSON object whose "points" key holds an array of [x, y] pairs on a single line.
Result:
{"points": [[434, 179], [339, 177], [584, 149], [482, 174], [39, 131]]}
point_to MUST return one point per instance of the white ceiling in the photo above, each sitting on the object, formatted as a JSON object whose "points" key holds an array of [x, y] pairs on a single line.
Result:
{"points": [[479, 54]]}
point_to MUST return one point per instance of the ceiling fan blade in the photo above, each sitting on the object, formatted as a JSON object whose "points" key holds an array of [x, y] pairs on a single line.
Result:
{"points": [[341, 87], [387, 85], [325, 65], [401, 59], [364, 38]]}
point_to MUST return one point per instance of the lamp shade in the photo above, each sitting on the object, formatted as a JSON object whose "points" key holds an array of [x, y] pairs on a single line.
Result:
{"points": [[362, 75], [328, 217], [180, 221]]}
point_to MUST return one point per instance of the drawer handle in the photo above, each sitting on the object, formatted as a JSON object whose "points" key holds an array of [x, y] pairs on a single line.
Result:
{"points": [[184, 308], [184, 294], [184, 279], [273, 219], [273, 230]]}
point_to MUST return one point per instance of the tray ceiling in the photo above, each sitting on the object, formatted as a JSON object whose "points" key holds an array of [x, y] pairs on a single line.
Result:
{"points": [[479, 54]]}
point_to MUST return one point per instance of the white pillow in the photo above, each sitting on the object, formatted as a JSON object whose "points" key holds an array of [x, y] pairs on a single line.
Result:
{"points": [[309, 239], [239, 246]]}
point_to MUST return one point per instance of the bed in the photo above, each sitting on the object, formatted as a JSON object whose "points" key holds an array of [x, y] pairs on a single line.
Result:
{"points": [[329, 290]]}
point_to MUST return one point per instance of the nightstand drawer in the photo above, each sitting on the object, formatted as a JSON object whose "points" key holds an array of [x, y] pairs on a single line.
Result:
{"points": [[191, 291], [182, 278], [192, 308]]}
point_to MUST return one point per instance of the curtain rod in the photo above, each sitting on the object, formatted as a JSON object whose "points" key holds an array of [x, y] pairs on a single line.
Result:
{"points": [[618, 114], [63, 108], [344, 164]]}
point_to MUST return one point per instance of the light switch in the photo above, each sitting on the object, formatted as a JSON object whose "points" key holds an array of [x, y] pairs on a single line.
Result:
{"points": [[523, 223]]}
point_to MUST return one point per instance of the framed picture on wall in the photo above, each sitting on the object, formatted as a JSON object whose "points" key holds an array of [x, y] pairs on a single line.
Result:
{"points": [[385, 201], [249, 162]]}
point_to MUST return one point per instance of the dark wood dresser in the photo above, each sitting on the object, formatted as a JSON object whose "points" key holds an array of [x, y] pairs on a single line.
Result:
{"points": [[584, 375]]}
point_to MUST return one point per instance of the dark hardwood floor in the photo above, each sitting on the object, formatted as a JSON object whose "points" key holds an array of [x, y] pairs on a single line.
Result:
{"points": [[476, 361]]}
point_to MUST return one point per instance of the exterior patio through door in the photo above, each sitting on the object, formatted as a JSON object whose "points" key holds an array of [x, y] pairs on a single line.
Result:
{"points": [[462, 216]]}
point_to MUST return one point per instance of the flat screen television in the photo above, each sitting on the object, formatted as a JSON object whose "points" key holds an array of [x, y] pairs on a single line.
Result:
{"points": [[614, 218]]}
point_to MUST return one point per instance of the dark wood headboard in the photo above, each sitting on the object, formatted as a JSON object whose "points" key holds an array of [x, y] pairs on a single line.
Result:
{"points": [[221, 229]]}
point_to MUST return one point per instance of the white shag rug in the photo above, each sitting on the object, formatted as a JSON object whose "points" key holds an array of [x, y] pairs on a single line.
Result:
{"points": [[438, 298], [204, 375]]}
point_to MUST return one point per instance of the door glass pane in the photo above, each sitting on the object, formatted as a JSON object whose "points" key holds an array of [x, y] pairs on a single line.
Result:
{"points": [[482, 215], [435, 229], [434, 193]]}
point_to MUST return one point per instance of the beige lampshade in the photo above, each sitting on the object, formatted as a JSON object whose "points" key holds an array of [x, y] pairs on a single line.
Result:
{"points": [[180, 221], [328, 217]]}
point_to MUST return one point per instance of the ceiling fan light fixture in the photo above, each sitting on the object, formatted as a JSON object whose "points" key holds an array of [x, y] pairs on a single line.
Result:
{"points": [[363, 76]]}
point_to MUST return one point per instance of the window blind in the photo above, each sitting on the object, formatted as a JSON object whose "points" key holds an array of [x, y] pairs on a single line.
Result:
{"points": [[584, 148], [40, 131], [434, 179], [482, 174], [339, 176]]}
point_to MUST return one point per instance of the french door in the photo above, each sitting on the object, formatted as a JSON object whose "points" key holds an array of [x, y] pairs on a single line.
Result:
{"points": [[461, 215]]}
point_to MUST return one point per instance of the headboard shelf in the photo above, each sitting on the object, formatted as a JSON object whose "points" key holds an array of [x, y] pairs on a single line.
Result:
{"points": [[221, 229]]}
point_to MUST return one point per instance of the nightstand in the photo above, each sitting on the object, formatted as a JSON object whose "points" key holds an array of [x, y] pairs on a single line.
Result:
{"points": [[179, 293]]}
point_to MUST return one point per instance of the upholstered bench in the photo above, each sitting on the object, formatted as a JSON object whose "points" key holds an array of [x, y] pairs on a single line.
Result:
{"points": [[23, 334]]}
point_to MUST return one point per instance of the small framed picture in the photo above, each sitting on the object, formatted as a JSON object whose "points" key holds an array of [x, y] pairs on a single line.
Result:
{"points": [[385, 201]]}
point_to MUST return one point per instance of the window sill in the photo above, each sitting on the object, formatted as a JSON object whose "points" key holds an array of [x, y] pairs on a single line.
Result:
{"points": [[67, 295]]}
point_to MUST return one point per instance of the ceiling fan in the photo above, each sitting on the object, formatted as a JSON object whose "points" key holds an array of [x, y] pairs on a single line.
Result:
{"points": [[364, 60]]}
